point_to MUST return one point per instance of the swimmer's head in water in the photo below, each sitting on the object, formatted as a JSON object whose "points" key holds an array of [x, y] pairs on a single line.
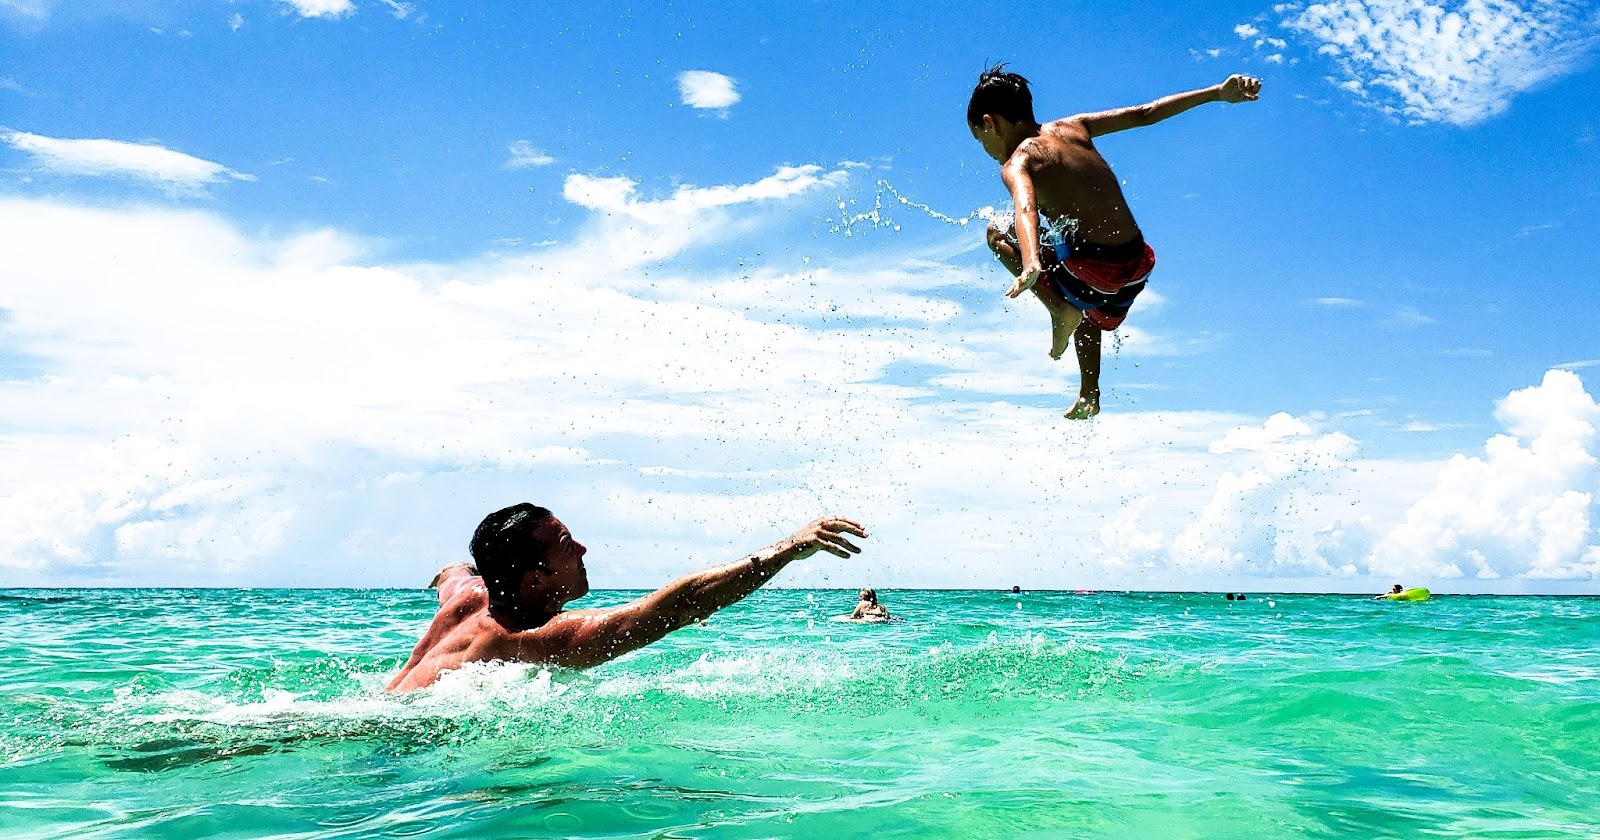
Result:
{"points": [[506, 546], [1000, 94], [869, 595]]}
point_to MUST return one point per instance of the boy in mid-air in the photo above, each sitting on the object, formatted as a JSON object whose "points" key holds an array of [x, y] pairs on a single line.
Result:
{"points": [[1090, 252]]}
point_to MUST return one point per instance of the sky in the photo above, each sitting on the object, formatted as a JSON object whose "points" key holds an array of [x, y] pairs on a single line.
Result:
{"points": [[294, 292]]}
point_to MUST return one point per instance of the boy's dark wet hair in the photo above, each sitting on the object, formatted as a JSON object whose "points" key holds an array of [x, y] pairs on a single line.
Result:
{"points": [[504, 547], [1002, 94]]}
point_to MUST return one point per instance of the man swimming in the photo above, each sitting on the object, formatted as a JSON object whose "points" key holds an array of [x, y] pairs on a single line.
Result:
{"points": [[512, 606], [1092, 251]]}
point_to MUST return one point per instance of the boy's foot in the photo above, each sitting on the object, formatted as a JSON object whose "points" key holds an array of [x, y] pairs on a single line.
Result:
{"points": [[1083, 409]]}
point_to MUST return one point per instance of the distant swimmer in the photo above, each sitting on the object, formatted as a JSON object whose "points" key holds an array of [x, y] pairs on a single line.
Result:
{"points": [[512, 605], [1090, 252], [1389, 596], [867, 607]]}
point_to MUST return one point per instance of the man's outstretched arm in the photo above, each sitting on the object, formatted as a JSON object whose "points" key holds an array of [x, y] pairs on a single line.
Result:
{"points": [[582, 638], [1235, 89]]}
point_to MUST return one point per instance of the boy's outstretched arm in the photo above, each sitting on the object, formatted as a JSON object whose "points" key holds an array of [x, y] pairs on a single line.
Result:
{"points": [[1235, 89]]}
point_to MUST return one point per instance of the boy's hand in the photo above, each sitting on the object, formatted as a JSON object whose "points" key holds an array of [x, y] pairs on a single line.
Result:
{"points": [[1240, 89], [1024, 281]]}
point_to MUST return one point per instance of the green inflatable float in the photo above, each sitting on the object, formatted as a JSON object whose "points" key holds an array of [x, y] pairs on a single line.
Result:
{"points": [[1414, 594]]}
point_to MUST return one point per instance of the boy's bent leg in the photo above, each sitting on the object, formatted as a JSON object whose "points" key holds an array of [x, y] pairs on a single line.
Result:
{"points": [[1088, 348], [1064, 317], [1004, 246]]}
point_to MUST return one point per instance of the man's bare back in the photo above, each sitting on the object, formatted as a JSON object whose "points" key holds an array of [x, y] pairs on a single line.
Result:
{"points": [[516, 611]]}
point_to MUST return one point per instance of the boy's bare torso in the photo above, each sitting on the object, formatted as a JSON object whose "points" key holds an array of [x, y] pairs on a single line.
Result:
{"points": [[1074, 186]]}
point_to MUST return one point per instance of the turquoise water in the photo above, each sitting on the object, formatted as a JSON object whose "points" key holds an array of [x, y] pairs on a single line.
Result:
{"points": [[218, 713]]}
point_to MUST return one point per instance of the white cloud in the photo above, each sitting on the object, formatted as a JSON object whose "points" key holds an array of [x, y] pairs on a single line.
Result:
{"points": [[34, 11], [705, 89], [321, 8], [400, 10], [1525, 504], [1246, 31], [1274, 59], [524, 155], [1458, 63], [235, 22], [1406, 317], [223, 407], [1337, 301], [115, 158]]}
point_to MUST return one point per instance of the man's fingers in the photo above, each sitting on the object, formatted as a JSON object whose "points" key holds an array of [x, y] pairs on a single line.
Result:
{"points": [[850, 525], [839, 540]]}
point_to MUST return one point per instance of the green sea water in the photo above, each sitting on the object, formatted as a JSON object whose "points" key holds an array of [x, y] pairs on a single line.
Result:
{"points": [[220, 713]]}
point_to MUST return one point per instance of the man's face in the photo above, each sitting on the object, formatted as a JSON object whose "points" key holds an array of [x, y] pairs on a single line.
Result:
{"points": [[565, 578], [987, 134]]}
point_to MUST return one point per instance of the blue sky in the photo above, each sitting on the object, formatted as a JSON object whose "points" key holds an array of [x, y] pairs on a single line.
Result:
{"points": [[330, 279]]}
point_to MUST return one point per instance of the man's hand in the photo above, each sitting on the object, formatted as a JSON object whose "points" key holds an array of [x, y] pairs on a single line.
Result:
{"points": [[1240, 89], [826, 534], [1024, 281]]}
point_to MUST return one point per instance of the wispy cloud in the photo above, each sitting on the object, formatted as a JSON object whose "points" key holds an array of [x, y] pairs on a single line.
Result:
{"points": [[140, 161], [321, 8], [707, 90], [1337, 301], [1407, 316], [1458, 63], [525, 156], [7, 83], [400, 10], [1529, 230]]}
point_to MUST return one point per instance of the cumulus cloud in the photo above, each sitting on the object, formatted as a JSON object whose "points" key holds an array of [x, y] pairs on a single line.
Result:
{"points": [[707, 90], [140, 161], [1458, 63], [321, 8], [525, 156], [209, 405], [1525, 505]]}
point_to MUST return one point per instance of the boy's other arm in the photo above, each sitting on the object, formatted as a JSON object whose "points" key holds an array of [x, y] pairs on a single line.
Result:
{"points": [[1235, 89], [1025, 217]]}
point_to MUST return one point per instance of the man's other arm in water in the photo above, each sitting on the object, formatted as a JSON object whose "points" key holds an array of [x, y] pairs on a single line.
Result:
{"points": [[584, 638], [1235, 89]]}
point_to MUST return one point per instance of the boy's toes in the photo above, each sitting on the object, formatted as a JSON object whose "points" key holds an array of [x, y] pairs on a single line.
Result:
{"points": [[1082, 410]]}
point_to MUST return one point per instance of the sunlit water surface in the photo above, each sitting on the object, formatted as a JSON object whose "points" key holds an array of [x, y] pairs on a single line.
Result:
{"points": [[218, 713]]}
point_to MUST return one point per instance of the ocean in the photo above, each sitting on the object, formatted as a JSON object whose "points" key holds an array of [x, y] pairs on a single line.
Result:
{"points": [[260, 713]]}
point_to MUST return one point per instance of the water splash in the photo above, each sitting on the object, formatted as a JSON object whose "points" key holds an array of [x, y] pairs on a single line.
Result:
{"points": [[880, 215]]}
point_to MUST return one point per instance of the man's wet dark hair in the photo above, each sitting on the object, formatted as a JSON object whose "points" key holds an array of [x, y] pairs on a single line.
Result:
{"points": [[505, 549], [1002, 94]]}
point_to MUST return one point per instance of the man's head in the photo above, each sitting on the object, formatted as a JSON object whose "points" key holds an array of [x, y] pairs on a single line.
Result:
{"points": [[525, 553], [1001, 104], [1397, 589], [869, 595]]}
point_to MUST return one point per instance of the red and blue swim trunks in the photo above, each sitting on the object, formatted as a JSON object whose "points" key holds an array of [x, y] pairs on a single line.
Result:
{"points": [[1101, 280]]}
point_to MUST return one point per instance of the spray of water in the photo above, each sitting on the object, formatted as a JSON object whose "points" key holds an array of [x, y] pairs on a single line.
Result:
{"points": [[880, 215]]}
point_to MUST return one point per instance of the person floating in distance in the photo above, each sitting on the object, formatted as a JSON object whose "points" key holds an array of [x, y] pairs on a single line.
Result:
{"points": [[1090, 252], [511, 606], [867, 607]]}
